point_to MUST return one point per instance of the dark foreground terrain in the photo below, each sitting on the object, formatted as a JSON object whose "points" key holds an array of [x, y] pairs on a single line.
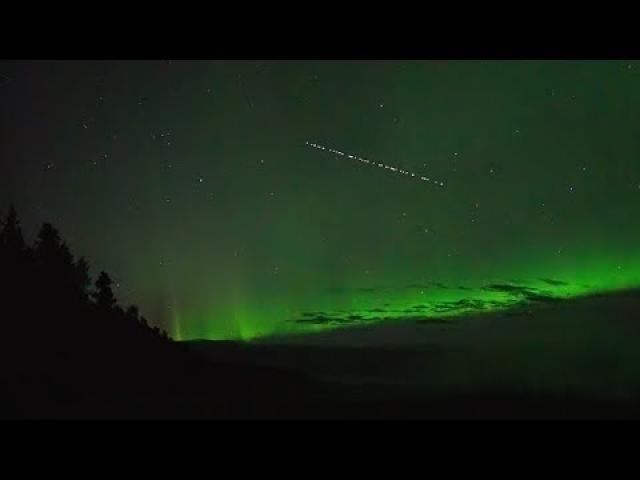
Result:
{"points": [[68, 350], [575, 359], [572, 359]]}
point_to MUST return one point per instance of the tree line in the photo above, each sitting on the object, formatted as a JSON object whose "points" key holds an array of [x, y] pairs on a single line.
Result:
{"points": [[47, 279]]}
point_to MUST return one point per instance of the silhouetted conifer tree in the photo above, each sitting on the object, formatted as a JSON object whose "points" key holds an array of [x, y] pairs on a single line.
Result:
{"points": [[11, 238], [48, 242], [82, 280], [14, 267], [132, 314], [57, 273], [104, 297]]}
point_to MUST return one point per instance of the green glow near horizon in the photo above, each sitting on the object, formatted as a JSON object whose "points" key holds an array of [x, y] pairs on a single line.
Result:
{"points": [[247, 323]]}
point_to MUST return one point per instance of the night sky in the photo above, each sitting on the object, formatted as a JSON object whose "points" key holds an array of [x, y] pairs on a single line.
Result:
{"points": [[193, 185]]}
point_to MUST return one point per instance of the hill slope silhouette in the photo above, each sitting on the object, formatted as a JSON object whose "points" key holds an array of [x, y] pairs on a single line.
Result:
{"points": [[69, 351]]}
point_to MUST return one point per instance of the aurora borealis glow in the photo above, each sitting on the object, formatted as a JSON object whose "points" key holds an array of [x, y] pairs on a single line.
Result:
{"points": [[190, 182]]}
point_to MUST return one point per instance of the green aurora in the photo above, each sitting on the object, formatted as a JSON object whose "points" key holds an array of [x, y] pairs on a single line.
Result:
{"points": [[435, 301], [190, 182]]}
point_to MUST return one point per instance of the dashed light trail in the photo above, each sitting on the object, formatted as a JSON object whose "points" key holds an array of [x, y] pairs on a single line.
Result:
{"points": [[376, 164]]}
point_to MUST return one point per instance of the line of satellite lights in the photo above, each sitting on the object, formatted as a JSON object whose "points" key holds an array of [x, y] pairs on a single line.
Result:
{"points": [[370, 162]]}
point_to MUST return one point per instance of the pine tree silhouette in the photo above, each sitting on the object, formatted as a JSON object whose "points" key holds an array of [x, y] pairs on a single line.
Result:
{"points": [[57, 273], [132, 314], [82, 280], [15, 268], [48, 242], [11, 238], [104, 297]]}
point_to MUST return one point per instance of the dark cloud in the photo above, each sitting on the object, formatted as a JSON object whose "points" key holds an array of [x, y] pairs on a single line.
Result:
{"points": [[543, 298], [530, 294], [431, 312], [508, 288], [554, 282], [312, 321]]}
